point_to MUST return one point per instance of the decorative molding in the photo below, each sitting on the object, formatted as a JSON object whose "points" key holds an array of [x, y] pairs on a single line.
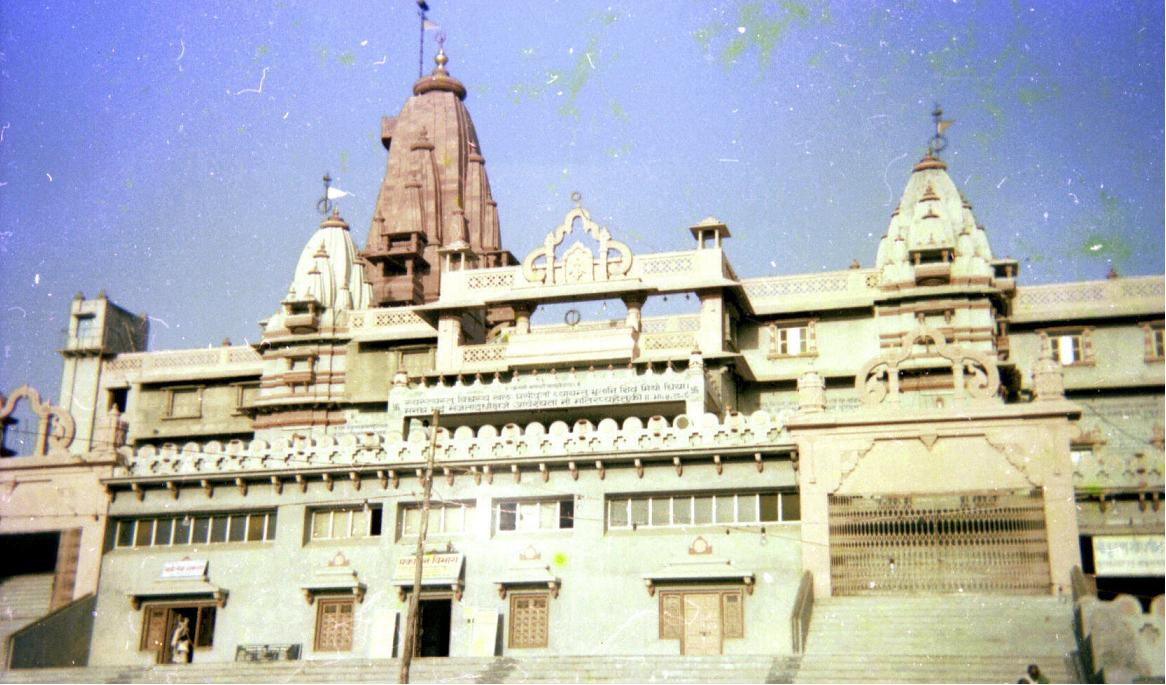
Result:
{"points": [[578, 264]]}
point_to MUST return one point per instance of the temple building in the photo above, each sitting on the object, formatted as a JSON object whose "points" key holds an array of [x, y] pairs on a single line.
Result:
{"points": [[780, 472]]}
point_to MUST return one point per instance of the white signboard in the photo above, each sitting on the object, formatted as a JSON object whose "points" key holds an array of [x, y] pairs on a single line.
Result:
{"points": [[435, 569], [1128, 555], [184, 570], [563, 390]]}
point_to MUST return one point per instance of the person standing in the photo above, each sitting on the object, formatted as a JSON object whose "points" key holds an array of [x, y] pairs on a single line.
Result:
{"points": [[180, 642]]}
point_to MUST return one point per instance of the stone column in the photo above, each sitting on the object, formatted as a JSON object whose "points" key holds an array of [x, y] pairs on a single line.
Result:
{"points": [[815, 518], [522, 314], [635, 304], [449, 338], [1060, 506], [711, 335], [811, 393]]}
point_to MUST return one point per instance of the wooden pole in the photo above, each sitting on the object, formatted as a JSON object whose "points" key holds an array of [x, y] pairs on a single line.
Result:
{"points": [[415, 597]]}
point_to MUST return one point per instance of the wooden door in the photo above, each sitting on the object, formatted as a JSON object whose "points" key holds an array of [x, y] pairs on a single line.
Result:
{"points": [[702, 624]]}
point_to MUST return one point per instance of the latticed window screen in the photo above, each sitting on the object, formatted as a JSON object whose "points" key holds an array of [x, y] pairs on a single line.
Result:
{"points": [[989, 542], [528, 619], [733, 613], [334, 625]]}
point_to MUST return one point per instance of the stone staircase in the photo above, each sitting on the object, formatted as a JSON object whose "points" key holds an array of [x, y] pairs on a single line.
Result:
{"points": [[938, 639], [23, 599], [561, 669]]}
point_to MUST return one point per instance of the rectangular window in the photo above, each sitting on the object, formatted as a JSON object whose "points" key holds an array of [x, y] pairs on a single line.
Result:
{"points": [[145, 533], [1071, 347], [161, 531], [87, 331], [219, 529], [1155, 341], [659, 511], [334, 623], [245, 394], [529, 613], [527, 515], [445, 518], [357, 521], [793, 339], [183, 403]]}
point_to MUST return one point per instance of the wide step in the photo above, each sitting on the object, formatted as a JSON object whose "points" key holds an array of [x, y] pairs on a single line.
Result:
{"points": [[567, 669], [944, 638]]}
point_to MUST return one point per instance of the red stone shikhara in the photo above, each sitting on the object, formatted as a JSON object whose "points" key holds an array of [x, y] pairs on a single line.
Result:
{"points": [[435, 195]]}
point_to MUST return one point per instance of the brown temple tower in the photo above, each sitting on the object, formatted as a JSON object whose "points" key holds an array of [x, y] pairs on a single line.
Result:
{"points": [[435, 195]]}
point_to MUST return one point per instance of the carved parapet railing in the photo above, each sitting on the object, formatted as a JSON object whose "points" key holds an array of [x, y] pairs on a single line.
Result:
{"points": [[534, 442], [387, 323], [677, 342], [823, 291], [224, 361], [1115, 297], [483, 357], [687, 323]]}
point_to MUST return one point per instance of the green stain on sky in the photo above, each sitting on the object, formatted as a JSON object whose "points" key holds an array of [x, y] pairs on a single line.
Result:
{"points": [[347, 59], [757, 28]]}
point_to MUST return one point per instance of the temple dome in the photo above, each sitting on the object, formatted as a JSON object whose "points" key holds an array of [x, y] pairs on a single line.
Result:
{"points": [[933, 237], [329, 276]]}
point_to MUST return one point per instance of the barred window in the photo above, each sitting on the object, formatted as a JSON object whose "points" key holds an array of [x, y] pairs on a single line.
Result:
{"points": [[526, 515], [346, 522], [195, 529], [735, 508], [334, 622], [528, 619], [445, 518]]}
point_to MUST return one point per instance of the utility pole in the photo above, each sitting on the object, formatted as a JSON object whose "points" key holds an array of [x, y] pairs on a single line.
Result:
{"points": [[415, 597]]}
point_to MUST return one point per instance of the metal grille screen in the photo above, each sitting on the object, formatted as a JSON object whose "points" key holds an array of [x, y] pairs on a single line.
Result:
{"points": [[939, 543]]}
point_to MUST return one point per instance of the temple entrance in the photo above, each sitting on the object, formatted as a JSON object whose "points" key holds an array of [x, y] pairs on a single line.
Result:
{"points": [[701, 619], [897, 544], [433, 627], [175, 631], [702, 624]]}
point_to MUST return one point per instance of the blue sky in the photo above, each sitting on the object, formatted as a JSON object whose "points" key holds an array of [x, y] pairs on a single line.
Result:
{"points": [[171, 153]]}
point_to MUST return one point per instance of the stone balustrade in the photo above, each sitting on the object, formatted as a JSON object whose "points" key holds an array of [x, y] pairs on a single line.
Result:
{"points": [[228, 360], [1118, 296], [388, 323], [832, 289], [535, 442]]}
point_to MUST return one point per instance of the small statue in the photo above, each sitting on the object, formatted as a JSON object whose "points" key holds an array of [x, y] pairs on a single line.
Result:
{"points": [[180, 642]]}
